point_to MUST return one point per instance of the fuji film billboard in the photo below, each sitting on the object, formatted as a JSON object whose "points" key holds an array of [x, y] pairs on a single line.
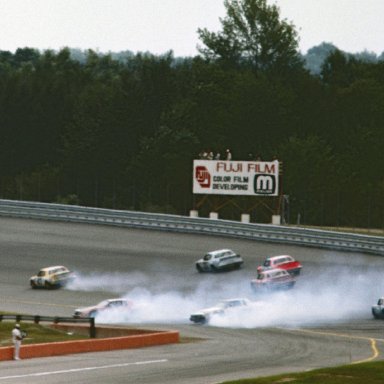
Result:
{"points": [[251, 178]]}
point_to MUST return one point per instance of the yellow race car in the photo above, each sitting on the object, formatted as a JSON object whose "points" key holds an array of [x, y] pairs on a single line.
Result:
{"points": [[52, 277]]}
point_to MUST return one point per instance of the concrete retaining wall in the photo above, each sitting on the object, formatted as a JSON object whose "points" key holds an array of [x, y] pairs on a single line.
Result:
{"points": [[92, 345]]}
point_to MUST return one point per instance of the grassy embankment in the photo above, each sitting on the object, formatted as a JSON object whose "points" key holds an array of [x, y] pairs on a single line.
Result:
{"points": [[364, 373], [36, 333]]}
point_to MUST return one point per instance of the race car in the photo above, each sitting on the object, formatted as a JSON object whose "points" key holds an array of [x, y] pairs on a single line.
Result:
{"points": [[203, 316], [105, 305], [286, 262], [52, 277], [378, 309], [272, 279], [219, 260]]}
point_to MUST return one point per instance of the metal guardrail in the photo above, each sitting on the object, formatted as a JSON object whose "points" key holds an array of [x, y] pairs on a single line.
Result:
{"points": [[261, 232], [37, 319]]}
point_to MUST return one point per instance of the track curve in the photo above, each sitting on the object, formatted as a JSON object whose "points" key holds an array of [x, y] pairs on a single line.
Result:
{"points": [[326, 321]]}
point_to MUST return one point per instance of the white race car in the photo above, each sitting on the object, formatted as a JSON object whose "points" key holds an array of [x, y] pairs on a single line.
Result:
{"points": [[203, 316], [219, 260]]}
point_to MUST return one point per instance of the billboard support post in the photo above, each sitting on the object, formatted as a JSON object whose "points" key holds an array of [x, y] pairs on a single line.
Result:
{"points": [[194, 213], [245, 218]]}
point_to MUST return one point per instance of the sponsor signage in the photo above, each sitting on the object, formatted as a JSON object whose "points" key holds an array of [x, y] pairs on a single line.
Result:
{"points": [[252, 178]]}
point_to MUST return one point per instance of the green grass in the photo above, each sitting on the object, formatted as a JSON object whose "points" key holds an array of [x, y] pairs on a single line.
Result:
{"points": [[364, 373], [36, 333]]}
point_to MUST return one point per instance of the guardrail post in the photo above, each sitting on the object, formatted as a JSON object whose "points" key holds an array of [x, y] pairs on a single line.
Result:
{"points": [[92, 328]]}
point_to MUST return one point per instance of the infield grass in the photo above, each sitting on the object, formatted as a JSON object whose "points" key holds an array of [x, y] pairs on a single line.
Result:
{"points": [[36, 333], [364, 373]]}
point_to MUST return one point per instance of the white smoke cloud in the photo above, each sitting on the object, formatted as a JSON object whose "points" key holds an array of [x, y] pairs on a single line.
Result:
{"points": [[337, 294], [331, 297], [170, 307], [109, 282]]}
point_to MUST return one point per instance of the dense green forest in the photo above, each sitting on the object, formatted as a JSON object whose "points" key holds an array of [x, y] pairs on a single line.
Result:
{"points": [[121, 131]]}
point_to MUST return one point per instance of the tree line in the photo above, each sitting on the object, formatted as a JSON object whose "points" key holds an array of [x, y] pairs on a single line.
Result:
{"points": [[123, 134]]}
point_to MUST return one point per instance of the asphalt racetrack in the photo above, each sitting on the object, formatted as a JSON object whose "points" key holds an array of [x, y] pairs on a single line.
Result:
{"points": [[324, 320]]}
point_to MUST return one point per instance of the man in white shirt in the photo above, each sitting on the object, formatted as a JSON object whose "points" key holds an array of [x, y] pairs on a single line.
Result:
{"points": [[16, 338]]}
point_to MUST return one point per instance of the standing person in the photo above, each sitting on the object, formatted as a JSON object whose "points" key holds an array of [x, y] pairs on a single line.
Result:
{"points": [[228, 154], [16, 338]]}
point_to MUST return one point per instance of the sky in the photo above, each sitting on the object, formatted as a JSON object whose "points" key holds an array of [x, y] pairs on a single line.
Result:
{"points": [[158, 26]]}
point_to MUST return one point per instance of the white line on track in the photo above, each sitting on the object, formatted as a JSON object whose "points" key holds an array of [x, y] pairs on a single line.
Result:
{"points": [[375, 351], [82, 369]]}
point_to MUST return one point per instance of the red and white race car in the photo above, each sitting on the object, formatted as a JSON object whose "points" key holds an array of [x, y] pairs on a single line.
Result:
{"points": [[104, 306], [285, 262], [272, 279]]}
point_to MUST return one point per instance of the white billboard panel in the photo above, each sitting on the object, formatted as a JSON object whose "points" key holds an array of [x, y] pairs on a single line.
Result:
{"points": [[252, 178]]}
